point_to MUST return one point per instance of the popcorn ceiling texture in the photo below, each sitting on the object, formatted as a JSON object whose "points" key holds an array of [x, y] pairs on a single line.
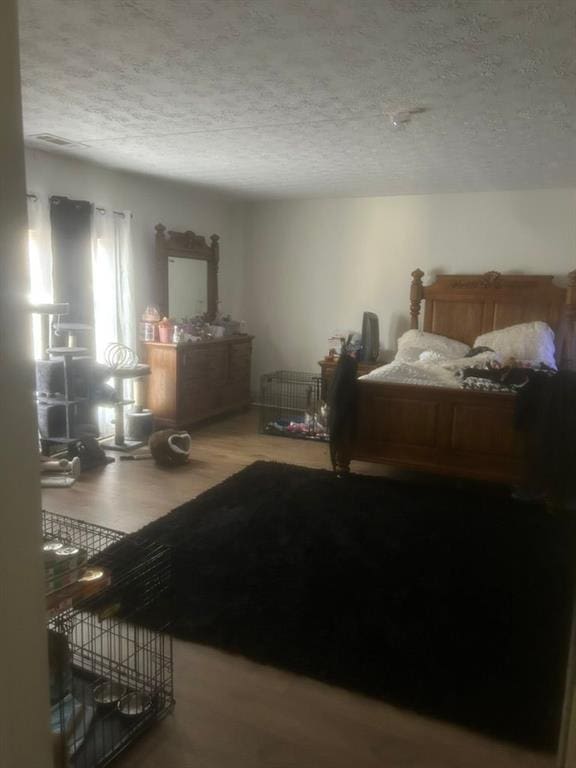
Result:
{"points": [[280, 98]]}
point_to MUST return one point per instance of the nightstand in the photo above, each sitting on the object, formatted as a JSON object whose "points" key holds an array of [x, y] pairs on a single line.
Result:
{"points": [[328, 366]]}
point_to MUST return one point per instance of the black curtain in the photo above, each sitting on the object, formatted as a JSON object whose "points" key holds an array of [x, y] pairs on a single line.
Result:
{"points": [[71, 223]]}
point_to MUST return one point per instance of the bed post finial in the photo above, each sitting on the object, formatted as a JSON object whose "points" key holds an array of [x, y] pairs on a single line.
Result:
{"points": [[416, 296], [570, 306], [566, 336]]}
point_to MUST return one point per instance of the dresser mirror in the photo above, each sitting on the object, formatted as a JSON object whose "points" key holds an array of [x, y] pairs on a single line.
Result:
{"points": [[186, 274], [187, 287]]}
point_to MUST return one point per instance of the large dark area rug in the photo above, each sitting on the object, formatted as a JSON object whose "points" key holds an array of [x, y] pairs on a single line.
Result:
{"points": [[454, 602]]}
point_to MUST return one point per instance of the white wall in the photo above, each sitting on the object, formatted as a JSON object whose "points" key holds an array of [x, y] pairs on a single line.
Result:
{"points": [[298, 270], [24, 723], [314, 266], [151, 200]]}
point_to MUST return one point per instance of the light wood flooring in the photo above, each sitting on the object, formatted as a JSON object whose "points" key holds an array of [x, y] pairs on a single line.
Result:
{"points": [[232, 713]]}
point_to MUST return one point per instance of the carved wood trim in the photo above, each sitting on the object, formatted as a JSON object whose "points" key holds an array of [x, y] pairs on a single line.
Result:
{"points": [[464, 306], [487, 280], [566, 337], [571, 294], [186, 245], [416, 296]]}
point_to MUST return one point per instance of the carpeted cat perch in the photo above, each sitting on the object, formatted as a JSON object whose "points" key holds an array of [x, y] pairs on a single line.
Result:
{"points": [[455, 603]]}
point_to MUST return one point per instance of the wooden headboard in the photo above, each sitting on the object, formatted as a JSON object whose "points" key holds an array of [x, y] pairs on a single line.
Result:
{"points": [[464, 306]]}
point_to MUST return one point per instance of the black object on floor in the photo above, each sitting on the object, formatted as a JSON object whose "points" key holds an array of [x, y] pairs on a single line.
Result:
{"points": [[452, 602]]}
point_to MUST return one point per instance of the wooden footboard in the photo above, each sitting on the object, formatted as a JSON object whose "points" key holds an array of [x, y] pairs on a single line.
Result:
{"points": [[445, 431]]}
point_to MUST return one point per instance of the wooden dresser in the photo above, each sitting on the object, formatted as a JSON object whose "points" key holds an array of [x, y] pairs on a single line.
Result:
{"points": [[194, 381]]}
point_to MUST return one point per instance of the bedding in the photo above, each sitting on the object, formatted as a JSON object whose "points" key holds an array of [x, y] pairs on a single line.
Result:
{"points": [[427, 359], [531, 343], [429, 370], [413, 343]]}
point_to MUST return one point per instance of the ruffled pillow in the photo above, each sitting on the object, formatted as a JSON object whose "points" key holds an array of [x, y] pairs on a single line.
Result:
{"points": [[531, 343], [413, 343]]}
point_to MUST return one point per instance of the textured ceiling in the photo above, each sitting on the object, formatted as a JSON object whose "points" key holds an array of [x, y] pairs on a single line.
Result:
{"points": [[269, 98]]}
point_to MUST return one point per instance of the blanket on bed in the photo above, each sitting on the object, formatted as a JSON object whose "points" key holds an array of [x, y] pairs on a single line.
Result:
{"points": [[483, 370]]}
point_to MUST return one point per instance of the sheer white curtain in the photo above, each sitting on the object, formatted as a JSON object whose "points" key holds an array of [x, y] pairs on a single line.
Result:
{"points": [[113, 281], [39, 262]]}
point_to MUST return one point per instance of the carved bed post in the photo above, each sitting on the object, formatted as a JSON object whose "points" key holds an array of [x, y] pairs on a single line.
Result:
{"points": [[341, 457], [567, 352], [571, 293], [161, 271], [212, 308], [416, 296]]}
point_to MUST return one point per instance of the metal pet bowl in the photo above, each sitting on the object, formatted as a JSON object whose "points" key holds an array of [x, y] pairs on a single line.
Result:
{"points": [[134, 704], [108, 694]]}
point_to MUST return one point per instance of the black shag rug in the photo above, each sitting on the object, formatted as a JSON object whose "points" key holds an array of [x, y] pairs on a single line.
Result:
{"points": [[451, 602]]}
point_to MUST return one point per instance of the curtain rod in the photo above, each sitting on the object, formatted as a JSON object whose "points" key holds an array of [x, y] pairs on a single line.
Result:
{"points": [[102, 211], [32, 196]]}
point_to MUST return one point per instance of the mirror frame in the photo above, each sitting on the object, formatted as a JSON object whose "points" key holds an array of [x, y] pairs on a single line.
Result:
{"points": [[186, 245]]}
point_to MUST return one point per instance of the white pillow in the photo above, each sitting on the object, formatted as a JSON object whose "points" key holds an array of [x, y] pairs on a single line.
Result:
{"points": [[532, 342], [412, 343]]}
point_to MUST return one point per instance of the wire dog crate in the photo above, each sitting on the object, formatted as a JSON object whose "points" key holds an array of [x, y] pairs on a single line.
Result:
{"points": [[291, 405], [110, 677]]}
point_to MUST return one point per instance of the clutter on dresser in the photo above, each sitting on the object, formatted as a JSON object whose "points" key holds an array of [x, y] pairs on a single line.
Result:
{"points": [[364, 346], [148, 326], [110, 678], [340, 339], [166, 331], [191, 329]]}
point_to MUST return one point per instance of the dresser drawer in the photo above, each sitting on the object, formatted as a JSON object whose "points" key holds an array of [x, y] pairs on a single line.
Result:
{"points": [[196, 399], [192, 382], [218, 365], [240, 360], [241, 351], [195, 363], [206, 363]]}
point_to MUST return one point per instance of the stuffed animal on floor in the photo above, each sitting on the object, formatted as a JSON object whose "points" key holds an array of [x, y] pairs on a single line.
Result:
{"points": [[169, 447]]}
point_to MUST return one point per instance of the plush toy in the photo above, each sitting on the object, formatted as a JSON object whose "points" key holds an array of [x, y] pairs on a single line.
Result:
{"points": [[169, 447]]}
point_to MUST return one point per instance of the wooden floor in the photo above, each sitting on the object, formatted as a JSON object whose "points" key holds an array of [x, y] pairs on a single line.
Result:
{"points": [[232, 713]]}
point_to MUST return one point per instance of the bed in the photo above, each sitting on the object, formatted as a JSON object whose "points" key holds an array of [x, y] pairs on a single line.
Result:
{"points": [[450, 430]]}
